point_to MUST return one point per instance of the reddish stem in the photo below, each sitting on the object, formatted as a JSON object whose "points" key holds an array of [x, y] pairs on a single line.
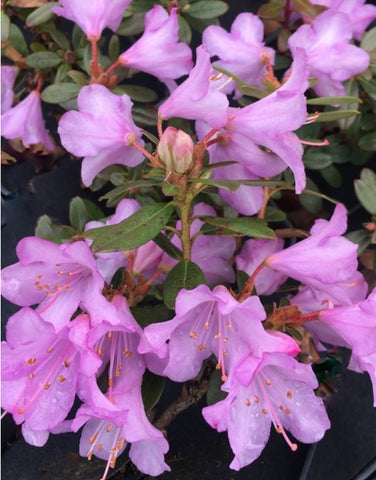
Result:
{"points": [[159, 127], [248, 286], [287, 14], [113, 67], [145, 152]]}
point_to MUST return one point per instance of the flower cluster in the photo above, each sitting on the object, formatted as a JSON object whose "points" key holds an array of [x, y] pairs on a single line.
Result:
{"points": [[78, 336]]}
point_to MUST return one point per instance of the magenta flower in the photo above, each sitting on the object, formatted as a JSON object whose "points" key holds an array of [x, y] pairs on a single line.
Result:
{"points": [[117, 416], [324, 259], [326, 43], [8, 77], [241, 52], [194, 99], [25, 121], [360, 14], [57, 278], [40, 369], [276, 389], [354, 327], [102, 131], [269, 122], [158, 51], [94, 16], [208, 322], [252, 254]]}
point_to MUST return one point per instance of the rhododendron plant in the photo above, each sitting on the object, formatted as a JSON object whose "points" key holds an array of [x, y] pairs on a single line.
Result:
{"points": [[208, 251]]}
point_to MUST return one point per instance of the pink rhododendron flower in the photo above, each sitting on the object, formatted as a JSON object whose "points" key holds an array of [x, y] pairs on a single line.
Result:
{"points": [[323, 260], [194, 99], [241, 51], [117, 416], [326, 43], [275, 389], [360, 14], [269, 122], [212, 254], [94, 16], [40, 369], [352, 326], [25, 121], [158, 51], [57, 278], [102, 131], [252, 254], [208, 322], [8, 77]]}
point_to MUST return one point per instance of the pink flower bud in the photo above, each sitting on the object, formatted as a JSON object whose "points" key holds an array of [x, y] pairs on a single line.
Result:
{"points": [[175, 150]]}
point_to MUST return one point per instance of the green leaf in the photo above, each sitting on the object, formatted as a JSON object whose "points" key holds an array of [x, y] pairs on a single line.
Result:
{"points": [[333, 100], [79, 78], [248, 226], [369, 86], [60, 39], [361, 238], [369, 41], [132, 25], [94, 212], [306, 9], [152, 389], [146, 314], [233, 185], [332, 175], [185, 31], [144, 115], [60, 92], [62, 72], [17, 39], [365, 189], [78, 215], [43, 60], [316, 159], [46, 229], [310, 201], [214, 393], [5, 27], [40, 15], [186, 275], [270, 9], [114, 196], [368, 142], [274, 214], [167, 246], [114, 48], [137, 93], [134, 231], [333, 115], [205, 10]]}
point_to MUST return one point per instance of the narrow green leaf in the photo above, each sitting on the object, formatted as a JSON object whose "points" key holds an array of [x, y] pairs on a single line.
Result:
{"points": [[369, 86], [43, 60], [365, 189], [186, 275], [361, 238], [145, 314], [336, 115], [144, 115], [233, 185], [214, 393], [114, 48], [5, 27], [334, 100], [137, 93], [79, 78], [249, 226], [310, 198], [152, 389], [40, 15], [368, 142], [185, 31], [132, 25], [332, 175], [316, 159], [60, 92], [48, 230], [114, 196], [270, 10], [369, 41], [205, 10], [167, 246], [17, 39], [274, 214], [60, 39], [94, 212], [78, 214], [136, 230]]}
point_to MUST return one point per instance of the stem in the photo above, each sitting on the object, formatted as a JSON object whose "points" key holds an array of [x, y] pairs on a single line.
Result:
{"points": [[159, 127], [113, 67], [287, 14], [145, 152], [191, 394], [261, 213], [249, 284], [185, 234]]}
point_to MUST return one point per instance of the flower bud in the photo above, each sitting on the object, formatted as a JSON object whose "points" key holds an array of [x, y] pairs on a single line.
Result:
{"points": [[175, 150]]}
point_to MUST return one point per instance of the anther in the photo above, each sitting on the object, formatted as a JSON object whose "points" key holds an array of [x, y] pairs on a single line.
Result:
{"points": [[288, 394], [47, 386], [247, 402], [31, 361], [193, 335], [61, 378], [264, 411]]}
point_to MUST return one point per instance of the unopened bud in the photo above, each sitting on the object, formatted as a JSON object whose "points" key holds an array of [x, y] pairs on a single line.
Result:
{"points": [[175, 150]]}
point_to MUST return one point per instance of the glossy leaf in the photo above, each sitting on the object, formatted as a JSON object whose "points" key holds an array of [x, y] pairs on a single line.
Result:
{"points": [[168, 247], [78, 215], [317, 159], [48, 230], [333, 100], [132, 232], [185, 274], [152, 389], [243, 226], [333, 115]]}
